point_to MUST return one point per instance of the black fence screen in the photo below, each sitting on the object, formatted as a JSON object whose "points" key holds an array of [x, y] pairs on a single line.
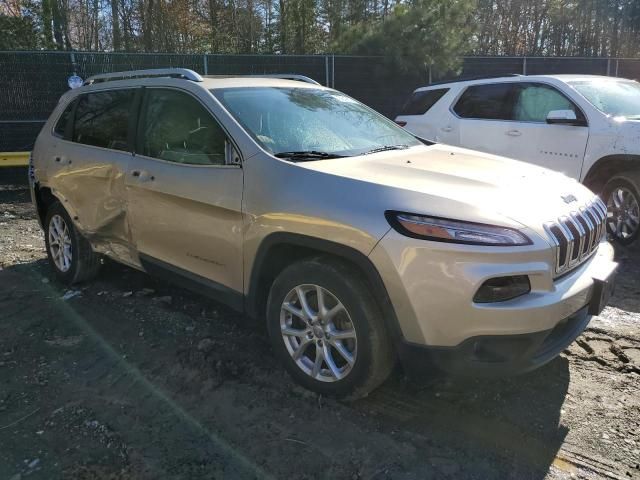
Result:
{"points": [[32, 82]]}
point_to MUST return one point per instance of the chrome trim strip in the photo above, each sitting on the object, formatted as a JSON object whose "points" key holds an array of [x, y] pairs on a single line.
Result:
{"points": [[589, 223]]}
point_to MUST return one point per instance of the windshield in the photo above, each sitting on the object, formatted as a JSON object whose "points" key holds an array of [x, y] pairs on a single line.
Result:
{"points": [[321, 123], [618, 99]]}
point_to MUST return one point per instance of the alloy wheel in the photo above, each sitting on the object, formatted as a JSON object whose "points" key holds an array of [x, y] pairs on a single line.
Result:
{"points": [[623, 215], [318, 333], [60, 243]]}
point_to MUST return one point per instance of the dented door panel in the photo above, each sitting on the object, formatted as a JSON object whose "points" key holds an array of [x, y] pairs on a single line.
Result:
{"points": [[90, 183]]}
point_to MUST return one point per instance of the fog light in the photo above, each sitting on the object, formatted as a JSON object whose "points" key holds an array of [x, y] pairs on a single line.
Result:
{"points": [[500, 289]]}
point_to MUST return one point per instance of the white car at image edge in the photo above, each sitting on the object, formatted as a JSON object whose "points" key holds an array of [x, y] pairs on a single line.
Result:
{"points": [[585, 126]]}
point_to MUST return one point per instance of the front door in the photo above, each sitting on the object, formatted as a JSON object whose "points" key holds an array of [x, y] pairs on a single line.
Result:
{"points": [[184, 197], [555, 146], [509, 119]]}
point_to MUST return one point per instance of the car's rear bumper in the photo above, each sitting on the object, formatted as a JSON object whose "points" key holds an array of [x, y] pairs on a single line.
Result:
{"points": [[496, 355]]}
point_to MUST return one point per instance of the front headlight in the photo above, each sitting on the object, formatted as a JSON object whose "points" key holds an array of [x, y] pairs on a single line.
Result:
{"points": [[454, 231]]}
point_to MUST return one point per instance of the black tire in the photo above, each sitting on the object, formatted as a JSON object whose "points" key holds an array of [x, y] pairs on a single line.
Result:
{"points": [[630, 181], [375, 357], [84, 263]]}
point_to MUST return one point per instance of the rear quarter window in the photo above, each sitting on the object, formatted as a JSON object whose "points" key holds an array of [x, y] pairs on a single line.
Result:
{"points": [[64, 121], [421, 101]]}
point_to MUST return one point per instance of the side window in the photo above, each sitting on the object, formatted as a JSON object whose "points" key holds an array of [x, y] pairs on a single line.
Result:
{"points": [[177, 128], [489, 102], [535, 101], [421, 101], [102, 119], [61, 127]]}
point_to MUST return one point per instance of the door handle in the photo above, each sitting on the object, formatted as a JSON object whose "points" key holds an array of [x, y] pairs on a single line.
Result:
{"points": [[446, 129], [135, 173], [514, 133]]}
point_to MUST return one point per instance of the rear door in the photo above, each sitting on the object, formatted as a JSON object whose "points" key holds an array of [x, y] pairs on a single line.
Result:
{"points": [[184, 194], [88, 165], [485, 119]]}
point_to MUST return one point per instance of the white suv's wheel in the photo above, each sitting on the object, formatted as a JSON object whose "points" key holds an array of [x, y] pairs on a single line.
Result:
{"points": [[69, 253], [327, 329], [622, 195]]}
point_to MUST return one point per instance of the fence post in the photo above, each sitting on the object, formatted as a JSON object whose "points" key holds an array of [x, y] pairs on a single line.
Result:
{"points": [[205, 64], [430, 76], [73, 61], [524, 65], [617, 61], [326, 71], [333, 71], [608, 67]]}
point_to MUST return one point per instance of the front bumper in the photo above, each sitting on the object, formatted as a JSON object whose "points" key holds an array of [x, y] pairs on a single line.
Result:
{"points": [[431, 287], [496, 355]]}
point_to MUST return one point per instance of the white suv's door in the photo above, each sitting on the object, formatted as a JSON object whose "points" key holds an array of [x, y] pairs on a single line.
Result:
{"points": [[484, 117], [556, 146], [509, 119]]}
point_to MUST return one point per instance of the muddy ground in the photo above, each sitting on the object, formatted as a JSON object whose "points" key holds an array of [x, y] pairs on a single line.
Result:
{"points": [[131, 378]]}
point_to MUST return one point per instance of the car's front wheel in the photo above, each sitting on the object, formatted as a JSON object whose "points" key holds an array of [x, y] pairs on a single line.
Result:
{"points": [[622, 195], [327, 329], [69, 253]]}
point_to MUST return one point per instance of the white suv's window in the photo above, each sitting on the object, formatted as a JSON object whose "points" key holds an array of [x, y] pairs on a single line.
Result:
{"points": [[422, 100], [615, 98], [492, 101], [534, 102]]}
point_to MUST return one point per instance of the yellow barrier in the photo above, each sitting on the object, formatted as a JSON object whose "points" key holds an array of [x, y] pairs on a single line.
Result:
{"points": [[14, 159]]}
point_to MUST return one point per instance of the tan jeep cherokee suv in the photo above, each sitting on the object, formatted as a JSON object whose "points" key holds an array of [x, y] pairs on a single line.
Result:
{"points": [[359, 244]]}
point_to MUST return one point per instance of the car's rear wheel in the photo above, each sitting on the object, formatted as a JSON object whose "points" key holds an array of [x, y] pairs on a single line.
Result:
{"points": [[69, 253], [622, 195], [327, 329]]}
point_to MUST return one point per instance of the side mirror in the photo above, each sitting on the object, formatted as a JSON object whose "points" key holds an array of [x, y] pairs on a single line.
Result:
{"points": [[562, 117]]}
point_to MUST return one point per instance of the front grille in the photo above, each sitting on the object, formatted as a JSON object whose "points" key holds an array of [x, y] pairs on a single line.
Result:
{"points": [[577, 235]]}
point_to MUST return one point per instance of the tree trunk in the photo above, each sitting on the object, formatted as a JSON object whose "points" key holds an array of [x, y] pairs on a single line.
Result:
{"points": [[115, 25], [283, 26], [147, 33]]}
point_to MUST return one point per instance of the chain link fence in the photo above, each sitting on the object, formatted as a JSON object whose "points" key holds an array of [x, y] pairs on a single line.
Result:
{"points": [[32, 82]]}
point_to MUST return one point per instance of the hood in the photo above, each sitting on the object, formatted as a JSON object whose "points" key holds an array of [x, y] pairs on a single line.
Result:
{"points": [[464, 184]]}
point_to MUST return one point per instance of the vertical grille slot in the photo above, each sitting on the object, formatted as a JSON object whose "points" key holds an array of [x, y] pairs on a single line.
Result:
{"points": [[577, 236]]}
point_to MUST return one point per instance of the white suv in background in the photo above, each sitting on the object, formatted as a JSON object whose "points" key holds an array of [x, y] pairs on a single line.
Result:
{"points": [[585, 126]]}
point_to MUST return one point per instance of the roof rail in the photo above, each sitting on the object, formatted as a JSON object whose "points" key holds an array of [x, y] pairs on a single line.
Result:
{"points": [[184, 73], [475, 77], [283, 76]]}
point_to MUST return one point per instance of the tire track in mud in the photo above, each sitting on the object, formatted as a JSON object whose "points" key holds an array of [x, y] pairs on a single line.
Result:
{"points": [[429, 416]]}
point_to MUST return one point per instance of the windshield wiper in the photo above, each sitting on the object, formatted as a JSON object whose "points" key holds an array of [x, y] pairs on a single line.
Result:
{"points": [[385, 148], [308, 155]]}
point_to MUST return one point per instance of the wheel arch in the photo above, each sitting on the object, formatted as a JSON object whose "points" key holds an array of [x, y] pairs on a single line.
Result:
{"points": [[281, 249], [44, 198], [606, 167]]}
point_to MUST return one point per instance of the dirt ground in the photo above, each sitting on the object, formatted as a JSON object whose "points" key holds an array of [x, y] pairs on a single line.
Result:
{"points": [[131, 378]]}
